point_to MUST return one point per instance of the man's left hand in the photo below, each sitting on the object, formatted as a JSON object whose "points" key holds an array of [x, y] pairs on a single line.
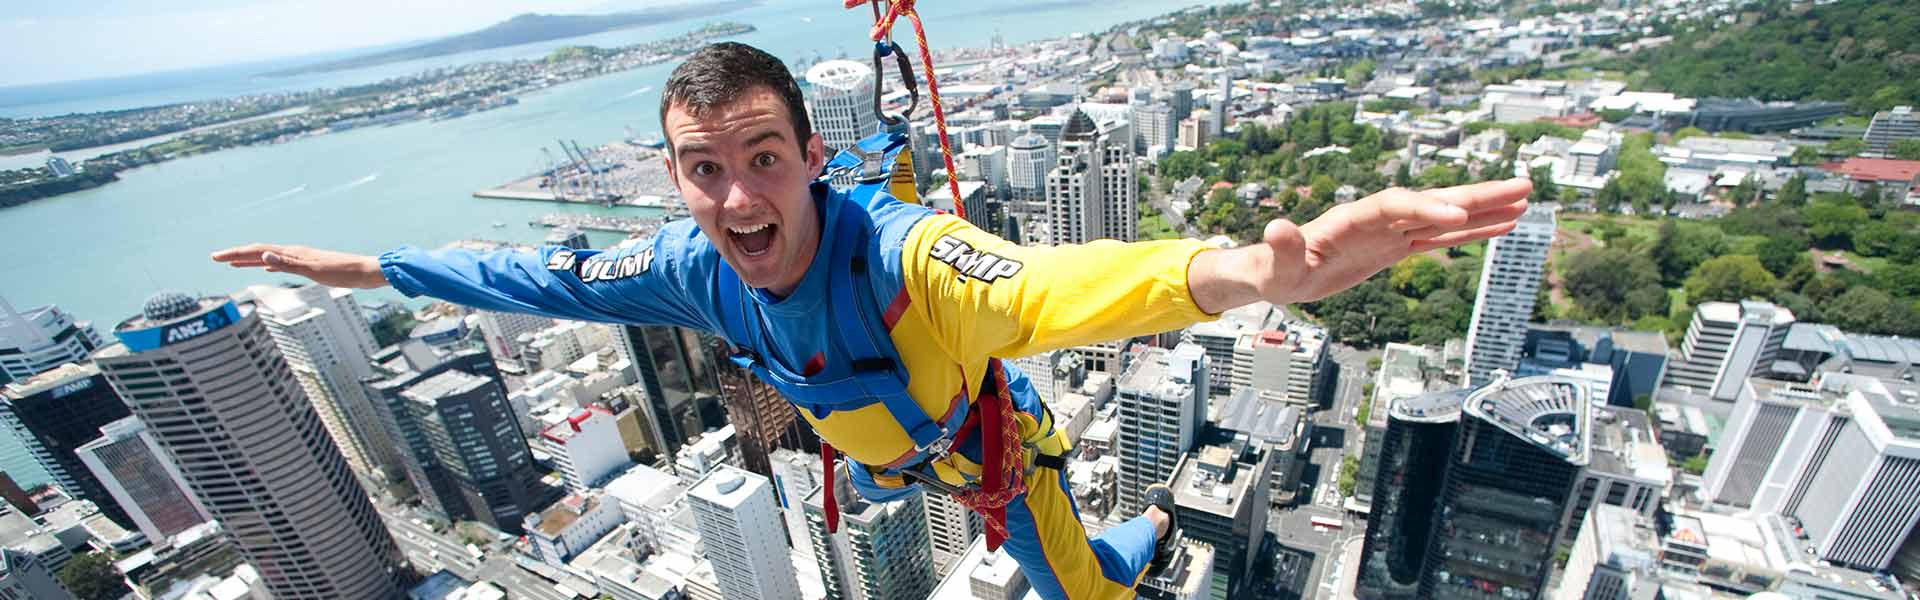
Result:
{"points": [[1353, 241]]}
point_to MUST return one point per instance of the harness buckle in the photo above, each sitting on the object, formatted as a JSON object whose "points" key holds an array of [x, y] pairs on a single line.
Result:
{"points": [[938, 450]]}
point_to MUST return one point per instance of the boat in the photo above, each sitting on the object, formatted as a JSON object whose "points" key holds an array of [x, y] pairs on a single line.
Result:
{"points": [[497, 225]]}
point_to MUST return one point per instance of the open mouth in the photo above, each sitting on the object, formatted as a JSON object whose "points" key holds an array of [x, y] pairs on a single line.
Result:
{"points": [[753, 240]]}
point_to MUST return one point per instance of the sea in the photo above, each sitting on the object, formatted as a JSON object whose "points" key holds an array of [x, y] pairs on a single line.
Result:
{"points": [[98, 254]]}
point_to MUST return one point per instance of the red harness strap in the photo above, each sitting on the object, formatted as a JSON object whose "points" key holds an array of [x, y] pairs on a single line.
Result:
{"points": [[832, 504]]}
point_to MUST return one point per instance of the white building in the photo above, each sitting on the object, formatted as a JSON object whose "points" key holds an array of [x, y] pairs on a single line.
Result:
{"points": [[40, 339], [1854, 493], [327, 342], [1091, 191], [1029, 159], [648, 497], [1726, 342], [586, 448], [987, 164], [1509, 279], [1154, 128], [742, 532], [1162, 406], [1287, 364], [1890, 126], [1615, 557], [571, 525], [502, 331], [840, 103], [951, 527]]}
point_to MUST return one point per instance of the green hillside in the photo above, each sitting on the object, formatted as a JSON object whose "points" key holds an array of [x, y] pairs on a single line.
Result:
{"points": [[1865, 52]]}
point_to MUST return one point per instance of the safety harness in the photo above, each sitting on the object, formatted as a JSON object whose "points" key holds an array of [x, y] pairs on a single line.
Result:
{"points": [[878, 375]]}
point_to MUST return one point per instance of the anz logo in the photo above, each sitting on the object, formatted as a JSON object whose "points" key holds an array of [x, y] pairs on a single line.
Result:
{"points": [[186, 331], [983, 266]]}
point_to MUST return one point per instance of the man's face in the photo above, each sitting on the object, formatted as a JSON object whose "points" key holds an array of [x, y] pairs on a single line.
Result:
{"points": [[745, 179]]}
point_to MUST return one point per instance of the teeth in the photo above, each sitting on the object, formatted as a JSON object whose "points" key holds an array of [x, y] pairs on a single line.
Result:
{"points": [[747, 230]]}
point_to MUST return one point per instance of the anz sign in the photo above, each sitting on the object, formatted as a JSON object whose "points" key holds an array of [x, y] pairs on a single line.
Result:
{"points": [[141, 340]]}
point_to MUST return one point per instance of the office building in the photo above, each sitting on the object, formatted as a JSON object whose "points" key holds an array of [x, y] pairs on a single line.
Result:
{"points": [[1509, 279], [796, 476], [1091, 191], [1766, 439], [586, 447], [1275, 429], [466, 425], [1626, 468], [1154, 128], [1497, 524], [1191, 133], [951, 527], [1029, 159], [1727, 342], [56, 412], [326, 340], [741, 530], [649, 498], [503, 330], [1853, 490], [882, 550], [1218, 338], [1180, 99], [40, 339], [679, 372], [1289, 364], [1413, 452], [762, 420], [840, 103], [1220, 494], [1616, 557], [1891, 126], [571, 525], [214, 391], [142, 479], [1162, 407], [441, 488], [986, 164], [1223, 104], [1189, 575], [24, 577], [981, 575]]}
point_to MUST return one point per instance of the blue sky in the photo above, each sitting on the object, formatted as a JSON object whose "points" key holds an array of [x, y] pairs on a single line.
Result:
{"points": [[61, 40]]}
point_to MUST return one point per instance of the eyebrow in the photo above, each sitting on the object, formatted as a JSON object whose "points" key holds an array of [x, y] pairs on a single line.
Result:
{"points": [[698, 148]]}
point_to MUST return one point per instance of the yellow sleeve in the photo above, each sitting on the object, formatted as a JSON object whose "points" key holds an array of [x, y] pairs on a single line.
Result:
{"points": [[985, 296]]}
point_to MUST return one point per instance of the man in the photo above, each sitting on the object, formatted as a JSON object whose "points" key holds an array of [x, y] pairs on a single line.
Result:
{"points": [[792, 273]]}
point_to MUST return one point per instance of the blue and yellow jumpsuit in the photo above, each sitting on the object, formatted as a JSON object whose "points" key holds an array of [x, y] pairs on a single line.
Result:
{"points": [[954, 297]]}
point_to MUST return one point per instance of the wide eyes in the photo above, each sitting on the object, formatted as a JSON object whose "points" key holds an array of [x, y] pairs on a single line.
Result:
{"points": [[765, 159], [705, 168]]}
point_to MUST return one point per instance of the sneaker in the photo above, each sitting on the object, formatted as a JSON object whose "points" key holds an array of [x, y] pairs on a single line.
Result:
{"points": [[1160, 496]]}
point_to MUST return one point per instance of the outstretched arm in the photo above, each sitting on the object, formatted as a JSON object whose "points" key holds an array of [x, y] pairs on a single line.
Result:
{"points": [[626, 285], [1351, 242]]}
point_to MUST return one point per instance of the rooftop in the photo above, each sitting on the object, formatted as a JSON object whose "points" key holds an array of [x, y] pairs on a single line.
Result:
{"points": [[1208, 479], [48, 380], [1549, 411], [642, 485], [450, 383], [839, 73], [557, 517], [565, 430], [727, 486], [1271, 421], [1432, 407], [1625, 443], [1876, 169]]}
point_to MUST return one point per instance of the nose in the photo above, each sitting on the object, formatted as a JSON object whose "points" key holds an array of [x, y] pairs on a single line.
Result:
{"points": [[742, 197]]}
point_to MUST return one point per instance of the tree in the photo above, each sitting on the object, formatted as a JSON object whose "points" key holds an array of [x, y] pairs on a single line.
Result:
{"points": [[1780, 255], [393, 329], [1832, 223], [1877, 238], [1687, 132], [1402, 175], [1794, 192], [1417, 276], [1614, 285], [1677, 250], [1845, 147], [1867, 310], [1543, 188], [91, 576], [1906, 149], [1729, 278], [1900, 279], [1807, 156], [1444, 315], [1364, 315]]}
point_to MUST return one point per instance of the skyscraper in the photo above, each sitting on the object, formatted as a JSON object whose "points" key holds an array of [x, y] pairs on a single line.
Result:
{"points": [[1413, 462], [1162, 403], [23, 576], [1091, 190], [1521, 447], [1854, 493], [676, 368], [1727, 342], [1217, 123], [1509, 280], [56, 412], [40, 339], [840, 103], [1029, 159], [206, 378], [881, 551], [763, 420], [470, 430], [325, 339], [30, 342], [143, 479], [1220, 492], [742, 532], [951, 527], [1774, 425]]}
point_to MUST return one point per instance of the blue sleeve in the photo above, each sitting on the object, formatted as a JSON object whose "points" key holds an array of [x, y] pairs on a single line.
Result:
{"points": [[661, 282]]}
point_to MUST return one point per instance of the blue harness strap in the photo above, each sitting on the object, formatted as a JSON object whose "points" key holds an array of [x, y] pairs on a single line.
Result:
{"points": [[878, 375]]}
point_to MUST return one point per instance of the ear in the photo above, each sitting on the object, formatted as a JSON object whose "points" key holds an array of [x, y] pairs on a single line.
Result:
{"points": [[816, 153]]}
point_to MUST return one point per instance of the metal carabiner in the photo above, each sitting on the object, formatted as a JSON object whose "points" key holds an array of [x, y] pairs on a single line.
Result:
{"points": [[880, 51]]}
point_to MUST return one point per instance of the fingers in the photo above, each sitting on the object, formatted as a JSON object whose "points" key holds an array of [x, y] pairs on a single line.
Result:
{"points": [[1493, 216], [1407, 209], [249, 252], [1473, 198], [1461, 237]]}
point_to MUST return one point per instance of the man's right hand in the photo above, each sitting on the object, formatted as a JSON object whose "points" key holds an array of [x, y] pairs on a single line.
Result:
{"points": [[325, 267]]}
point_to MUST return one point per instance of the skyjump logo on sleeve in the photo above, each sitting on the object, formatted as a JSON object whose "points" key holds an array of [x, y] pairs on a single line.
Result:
{"points": [[594, 266], [983, 266]]}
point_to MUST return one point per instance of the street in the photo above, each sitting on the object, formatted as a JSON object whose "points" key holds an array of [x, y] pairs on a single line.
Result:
{"points": [[430, 552], [1306, 552]]}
